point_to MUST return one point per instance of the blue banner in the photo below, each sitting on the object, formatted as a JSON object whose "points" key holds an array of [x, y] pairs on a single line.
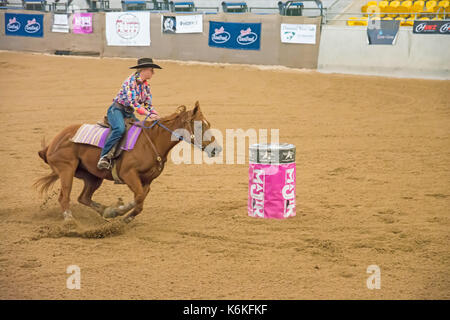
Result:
{"points": [[24, 25], [231, 35]]}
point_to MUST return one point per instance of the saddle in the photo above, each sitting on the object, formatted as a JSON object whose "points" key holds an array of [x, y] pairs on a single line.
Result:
{"points": [[116, 150]]}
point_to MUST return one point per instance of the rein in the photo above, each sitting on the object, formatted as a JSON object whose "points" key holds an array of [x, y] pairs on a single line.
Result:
{"points": [[179, 137]]}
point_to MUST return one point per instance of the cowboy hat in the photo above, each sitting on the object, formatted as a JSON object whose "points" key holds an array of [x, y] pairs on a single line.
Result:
{"points": [[145, 63]]}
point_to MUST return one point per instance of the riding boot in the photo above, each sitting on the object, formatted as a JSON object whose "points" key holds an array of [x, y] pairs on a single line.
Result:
{"points": [[104, 163]]}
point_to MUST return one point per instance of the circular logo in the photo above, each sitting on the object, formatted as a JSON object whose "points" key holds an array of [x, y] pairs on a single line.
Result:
{"points": [[445, 28], [32, 27], [127, 26], [247, 37], [221, 38], [13, 26], [420, 27]]}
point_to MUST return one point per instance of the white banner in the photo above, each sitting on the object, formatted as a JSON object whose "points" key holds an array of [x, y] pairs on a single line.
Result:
{"points": [[60, 23], [182, 24], [128, 28], [298, 33], [190, 24]]}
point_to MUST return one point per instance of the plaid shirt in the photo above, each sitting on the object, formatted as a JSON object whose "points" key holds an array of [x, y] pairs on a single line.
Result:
{"points": [[135, 93]]}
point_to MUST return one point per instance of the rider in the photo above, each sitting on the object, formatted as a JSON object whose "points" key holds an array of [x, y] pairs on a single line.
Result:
{"points": [[134, 95]]}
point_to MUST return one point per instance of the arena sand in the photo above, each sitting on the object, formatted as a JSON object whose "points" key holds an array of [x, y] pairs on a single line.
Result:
{"points": [[373, 187]]}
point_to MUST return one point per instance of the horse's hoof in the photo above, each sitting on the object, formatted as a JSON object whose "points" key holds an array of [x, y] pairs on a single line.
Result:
{"points": [[119, 202], [67, 215], [128, 219], [110, 213]]}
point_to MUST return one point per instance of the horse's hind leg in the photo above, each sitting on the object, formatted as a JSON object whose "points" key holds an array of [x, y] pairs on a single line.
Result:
{"points": [[91, 184], [66, 173]]}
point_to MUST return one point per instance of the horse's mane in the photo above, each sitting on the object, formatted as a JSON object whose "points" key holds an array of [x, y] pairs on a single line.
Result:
{"points": [[175, 115]]}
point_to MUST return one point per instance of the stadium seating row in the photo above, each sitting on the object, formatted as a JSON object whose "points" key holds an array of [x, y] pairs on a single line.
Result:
{"points": [[404, 9], [404, 22]]}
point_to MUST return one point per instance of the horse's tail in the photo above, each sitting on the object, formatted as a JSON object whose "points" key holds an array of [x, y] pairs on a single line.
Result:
{"points": [[43, 152], [44, 183]]}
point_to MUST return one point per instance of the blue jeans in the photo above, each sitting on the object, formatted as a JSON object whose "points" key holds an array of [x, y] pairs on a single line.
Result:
{"points": [[116, 120]]}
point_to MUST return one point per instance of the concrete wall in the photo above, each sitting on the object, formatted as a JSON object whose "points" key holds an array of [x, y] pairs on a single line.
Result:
{"points": [[346, 50], [179, 46], [52, 40]]}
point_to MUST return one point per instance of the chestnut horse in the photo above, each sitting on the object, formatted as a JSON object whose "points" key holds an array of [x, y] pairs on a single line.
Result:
{"points": [[137, 168]]}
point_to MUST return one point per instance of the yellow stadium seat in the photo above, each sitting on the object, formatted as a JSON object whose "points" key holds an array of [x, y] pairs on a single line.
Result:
{"points": [[430, 6], [371, 10], [365, 7], [352, 21], [443, 4], [407, 23], [393, 8], [441, 9], [363, 21], [405, 8], [383, 5], [418, 6], [424, 18]]}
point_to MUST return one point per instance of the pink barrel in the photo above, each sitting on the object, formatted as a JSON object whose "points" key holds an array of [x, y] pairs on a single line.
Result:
{"points": [[271, 181]]}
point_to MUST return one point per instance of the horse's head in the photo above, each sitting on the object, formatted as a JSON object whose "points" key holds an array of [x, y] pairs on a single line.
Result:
{"points": [[200, 134]]}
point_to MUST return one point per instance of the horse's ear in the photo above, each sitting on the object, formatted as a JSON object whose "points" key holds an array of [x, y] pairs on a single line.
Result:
{"points": [[196, 108], [181, 109]]}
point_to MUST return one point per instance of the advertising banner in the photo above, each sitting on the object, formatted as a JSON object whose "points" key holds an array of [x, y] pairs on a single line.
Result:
{"points": [[231, 35], [60, 23], [431, 27], [82, 23], [24, 25], [128, 28], [298, 33], [384, 34], [182, 24]]}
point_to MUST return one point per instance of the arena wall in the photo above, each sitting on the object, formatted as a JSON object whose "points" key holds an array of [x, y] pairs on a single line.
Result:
{"points": [[346, 50], [179, 47]]}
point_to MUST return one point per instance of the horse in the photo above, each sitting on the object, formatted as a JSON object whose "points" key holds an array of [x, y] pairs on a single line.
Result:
{"points": [[137, 168]]}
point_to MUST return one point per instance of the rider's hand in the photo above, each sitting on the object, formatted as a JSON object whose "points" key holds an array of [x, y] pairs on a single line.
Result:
{"points": [[154, 116]]}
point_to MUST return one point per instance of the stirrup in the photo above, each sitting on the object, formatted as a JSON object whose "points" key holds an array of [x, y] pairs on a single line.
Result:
{"points": [[104, 163]]}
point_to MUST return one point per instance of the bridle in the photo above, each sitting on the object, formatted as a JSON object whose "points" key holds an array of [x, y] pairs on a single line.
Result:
{"points": [[179, 137]]}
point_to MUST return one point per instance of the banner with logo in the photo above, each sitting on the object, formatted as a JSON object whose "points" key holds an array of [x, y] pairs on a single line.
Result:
{"points": [[60, 23], [385, 34], [298, 33], [431, 27], [82, 23], [128, 28], [24, 25], [182, 24], [231, 35]]}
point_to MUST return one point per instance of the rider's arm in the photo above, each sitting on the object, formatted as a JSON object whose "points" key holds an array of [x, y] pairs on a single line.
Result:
{"points": [[128, 94], [147, 107]]}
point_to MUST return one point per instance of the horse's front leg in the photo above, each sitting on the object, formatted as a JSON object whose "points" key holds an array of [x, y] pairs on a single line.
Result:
{"points": [[140, 193], [112, 212]]}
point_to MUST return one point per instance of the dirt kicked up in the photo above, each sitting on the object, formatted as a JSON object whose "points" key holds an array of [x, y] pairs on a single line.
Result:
{"points": [[373, 183]]}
